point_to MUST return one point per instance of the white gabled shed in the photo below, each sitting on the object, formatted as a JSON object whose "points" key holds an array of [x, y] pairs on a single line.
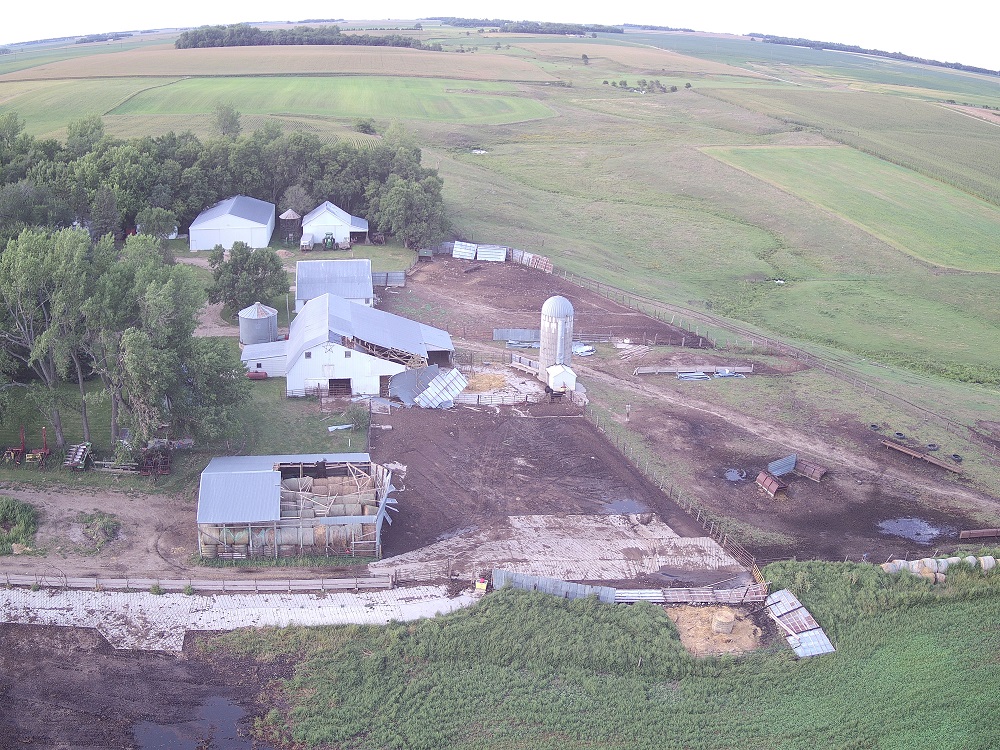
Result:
{"points": [[327, 218], [236, 219]]}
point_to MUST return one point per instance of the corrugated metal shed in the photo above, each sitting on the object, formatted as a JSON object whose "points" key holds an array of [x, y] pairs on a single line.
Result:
{"points": [[247, 489], [491, 253], [441, 391], [464, 251], [782, 466], [349, 278]]}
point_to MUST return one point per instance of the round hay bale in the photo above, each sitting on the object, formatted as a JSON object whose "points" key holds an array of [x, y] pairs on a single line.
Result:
{"points": [[914, 567], [942, 566], [723, 621], [930, 563], [971, 560], [940, 578], [891, 567], [319, 535], [954, 560], [987, 562], [929, 575]]}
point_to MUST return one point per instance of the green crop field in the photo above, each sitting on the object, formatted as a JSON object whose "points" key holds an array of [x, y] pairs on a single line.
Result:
{"points": [[927, 137], [931, 221], [419, 99], [913, 670], [48, 106]]}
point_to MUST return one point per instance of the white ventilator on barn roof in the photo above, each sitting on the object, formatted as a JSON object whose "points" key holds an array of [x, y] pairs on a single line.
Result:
{"points": [[557, 334], [258, 324]]}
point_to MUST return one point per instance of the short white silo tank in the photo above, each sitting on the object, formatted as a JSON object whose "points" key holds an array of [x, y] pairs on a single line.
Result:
{"points": [[557, 334], [258, 324]]}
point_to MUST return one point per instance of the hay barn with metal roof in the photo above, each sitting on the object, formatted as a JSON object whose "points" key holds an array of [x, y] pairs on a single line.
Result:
{"points": [[302, 504]]}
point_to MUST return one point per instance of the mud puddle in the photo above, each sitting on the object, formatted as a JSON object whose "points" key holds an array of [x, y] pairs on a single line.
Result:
{"points": [[915, 529]]}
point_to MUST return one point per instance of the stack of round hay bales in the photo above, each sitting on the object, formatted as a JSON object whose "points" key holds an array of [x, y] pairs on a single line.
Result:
{"points": [[935, 569]]}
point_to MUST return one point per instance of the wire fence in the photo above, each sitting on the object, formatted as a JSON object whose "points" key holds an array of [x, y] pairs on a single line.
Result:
{"points": [[59, 580]]}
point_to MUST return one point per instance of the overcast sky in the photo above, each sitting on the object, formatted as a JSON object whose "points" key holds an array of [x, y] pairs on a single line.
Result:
{"points": [[961, 31]]}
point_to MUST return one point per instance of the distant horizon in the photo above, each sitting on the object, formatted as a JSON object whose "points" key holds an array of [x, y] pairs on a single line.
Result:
{"points": [[962, 37]]}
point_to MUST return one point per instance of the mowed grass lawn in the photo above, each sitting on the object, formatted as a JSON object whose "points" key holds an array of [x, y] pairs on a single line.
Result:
{"points": [[924, 218], [356, 96]]}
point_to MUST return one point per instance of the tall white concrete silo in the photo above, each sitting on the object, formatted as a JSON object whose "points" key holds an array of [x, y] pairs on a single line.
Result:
{"points": [[557, 334]]}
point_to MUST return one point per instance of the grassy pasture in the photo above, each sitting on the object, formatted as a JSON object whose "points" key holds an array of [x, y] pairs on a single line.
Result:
{"points": [[290, 60], [931, 221], [931, 139], [345, 97]]}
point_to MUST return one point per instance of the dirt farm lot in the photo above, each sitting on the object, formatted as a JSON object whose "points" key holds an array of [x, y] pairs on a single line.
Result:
{"points": [[468, 467]]}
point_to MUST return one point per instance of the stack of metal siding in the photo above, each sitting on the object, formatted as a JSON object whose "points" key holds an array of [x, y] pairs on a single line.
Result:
{"points": [[492, 253], [464, 251]]}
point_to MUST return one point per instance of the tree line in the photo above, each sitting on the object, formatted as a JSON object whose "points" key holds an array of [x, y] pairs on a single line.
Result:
{"points": [[245, 35], [72, 310], [110, 185], [530, 27]]}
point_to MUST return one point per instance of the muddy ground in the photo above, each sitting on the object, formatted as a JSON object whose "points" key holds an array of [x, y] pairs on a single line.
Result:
{"points": [[468, 465], [835, 519], [67, 688], [470, 299]]}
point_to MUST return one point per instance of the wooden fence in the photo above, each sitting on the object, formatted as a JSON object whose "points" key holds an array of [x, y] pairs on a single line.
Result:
{"points": [[61, 581]]}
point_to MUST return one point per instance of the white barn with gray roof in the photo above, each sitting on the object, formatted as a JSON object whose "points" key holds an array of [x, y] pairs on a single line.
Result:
{"points": [[236, 219], [338, 347], [327, 218], [350, 279]]}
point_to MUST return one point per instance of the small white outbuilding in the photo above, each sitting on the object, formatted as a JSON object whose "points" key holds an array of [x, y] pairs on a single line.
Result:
{"points": [[236, 219], [327, 218]]}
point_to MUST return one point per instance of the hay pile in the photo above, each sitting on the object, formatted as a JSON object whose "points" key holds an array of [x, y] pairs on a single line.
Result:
{"points": [[484, 382], [695, 627]]}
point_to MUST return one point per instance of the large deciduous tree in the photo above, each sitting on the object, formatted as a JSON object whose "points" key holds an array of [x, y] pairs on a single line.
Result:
{"points": [[248, 276], [410, 209], [27, 290]]}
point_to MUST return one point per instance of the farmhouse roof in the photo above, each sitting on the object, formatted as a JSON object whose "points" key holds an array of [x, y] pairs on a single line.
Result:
{"points": [[356, 223], [247, 489], [332, 319], [240, 206], [350, 279]]}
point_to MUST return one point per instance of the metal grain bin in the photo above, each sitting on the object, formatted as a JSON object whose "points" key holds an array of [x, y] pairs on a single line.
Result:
{"points": [[258, 324]]}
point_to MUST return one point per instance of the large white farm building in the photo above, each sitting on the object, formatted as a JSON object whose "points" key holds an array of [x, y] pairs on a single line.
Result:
{"points": [[236, 219], [342, 348]]}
